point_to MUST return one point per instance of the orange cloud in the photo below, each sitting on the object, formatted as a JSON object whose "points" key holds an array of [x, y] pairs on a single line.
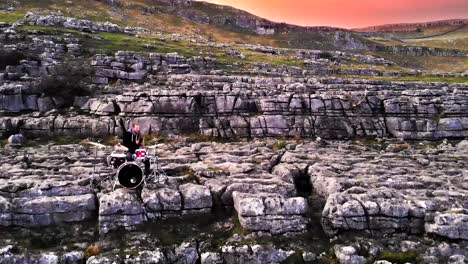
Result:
{"points": [[351, 13]]}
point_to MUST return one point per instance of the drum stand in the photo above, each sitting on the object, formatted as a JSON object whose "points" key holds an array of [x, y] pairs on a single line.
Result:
{"points": [[158, 175]]}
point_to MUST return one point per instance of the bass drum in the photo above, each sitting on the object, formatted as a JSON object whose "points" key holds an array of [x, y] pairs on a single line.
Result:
{"points": [[130, 175]]}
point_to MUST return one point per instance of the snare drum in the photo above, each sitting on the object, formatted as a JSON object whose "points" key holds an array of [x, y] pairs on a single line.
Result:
{"points": [[140, 154], [116, 159]]}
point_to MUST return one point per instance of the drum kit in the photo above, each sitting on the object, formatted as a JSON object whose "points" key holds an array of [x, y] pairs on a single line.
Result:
{"points": [[129, 169]]}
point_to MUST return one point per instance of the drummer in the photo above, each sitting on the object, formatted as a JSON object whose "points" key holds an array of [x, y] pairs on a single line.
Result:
{"points": [[132, 140]]}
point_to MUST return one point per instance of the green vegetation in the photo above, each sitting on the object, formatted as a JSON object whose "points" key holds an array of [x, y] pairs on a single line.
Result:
{"points": [[449, 41], [112, 42], [442, 64], [445, 37], [68, 81], [117, 41], [384, 41], [111, 140], [159, 138], [358, 65], [198, 138], [191, 177], [10, 17], [55, 140], [399, 257], [408, 78], [280, 144]]}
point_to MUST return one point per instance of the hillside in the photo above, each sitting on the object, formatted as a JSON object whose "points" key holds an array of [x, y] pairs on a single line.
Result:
{"points": [[432, 26], [219, 23]]}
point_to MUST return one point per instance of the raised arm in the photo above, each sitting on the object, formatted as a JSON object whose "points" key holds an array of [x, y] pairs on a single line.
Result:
{"points": [[122, 127]]}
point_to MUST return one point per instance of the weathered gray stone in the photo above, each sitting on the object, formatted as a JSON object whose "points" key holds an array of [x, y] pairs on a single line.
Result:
{"points": [[273, 213], [452, 224], [120, 208], [195, 196]]}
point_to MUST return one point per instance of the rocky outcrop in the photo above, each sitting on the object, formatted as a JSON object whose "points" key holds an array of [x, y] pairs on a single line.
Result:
{"points": [[377, 210], [40, 194], [381, 188], [254, 253], [124, 208], [74, 23], [348, 255], [298, 107], [421, 51], [452, 224], [45, 205], [120, 208], [271, 213], [135, 67], [376, 196]]}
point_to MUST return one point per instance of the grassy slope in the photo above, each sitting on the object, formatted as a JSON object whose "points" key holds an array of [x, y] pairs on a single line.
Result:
{"points": [[165, 19], [448, 37], [168, 23], [457, 40], [410, 78], [437, 64]]}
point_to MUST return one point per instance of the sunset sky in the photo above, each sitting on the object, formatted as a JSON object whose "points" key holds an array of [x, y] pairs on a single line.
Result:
{"points": [[351, 13]]}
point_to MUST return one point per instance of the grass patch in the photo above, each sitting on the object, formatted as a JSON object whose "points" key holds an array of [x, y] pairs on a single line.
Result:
{"points": [[111, 140], [399, 257], [354, 66], [279, 145], [10, 17], [387, 42], [112, 42], [159, 138], [408, 78], [67, 82], [426, 63], [198, 138], [191, 177], [56, 140], [66, 140]]}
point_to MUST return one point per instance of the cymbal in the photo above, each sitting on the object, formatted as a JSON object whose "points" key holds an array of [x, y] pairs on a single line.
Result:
{"points": [[99, 145]]}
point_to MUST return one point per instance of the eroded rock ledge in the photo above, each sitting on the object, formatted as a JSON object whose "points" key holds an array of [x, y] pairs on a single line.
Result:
{"points": [[392, 189], [326, 108]]}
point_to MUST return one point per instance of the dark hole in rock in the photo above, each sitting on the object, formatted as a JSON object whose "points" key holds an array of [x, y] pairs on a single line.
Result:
{"points": [[303, 185]]}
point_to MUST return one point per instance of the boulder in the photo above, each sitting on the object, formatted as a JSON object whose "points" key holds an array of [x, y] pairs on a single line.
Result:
{"points": [[452, 224], [120, 208], [16, 139], [272, 213], [195, 196]]}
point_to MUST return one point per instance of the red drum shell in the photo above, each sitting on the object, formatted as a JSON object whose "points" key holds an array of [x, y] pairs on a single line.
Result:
{"points": [[140, 153]]}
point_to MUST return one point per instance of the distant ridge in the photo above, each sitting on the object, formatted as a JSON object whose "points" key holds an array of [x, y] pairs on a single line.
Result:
{"points": [[411, 27]]}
